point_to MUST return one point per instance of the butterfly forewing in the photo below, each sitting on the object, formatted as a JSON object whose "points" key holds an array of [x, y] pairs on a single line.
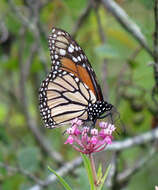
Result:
{"points": [[67, 54]]}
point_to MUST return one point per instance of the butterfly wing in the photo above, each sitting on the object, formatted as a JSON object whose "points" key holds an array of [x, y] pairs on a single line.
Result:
{"points": [[63, 97], [70, 86], [66, 53]]}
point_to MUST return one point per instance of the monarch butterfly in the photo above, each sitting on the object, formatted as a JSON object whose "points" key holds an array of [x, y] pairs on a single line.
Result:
{"points": [[70, 90]]}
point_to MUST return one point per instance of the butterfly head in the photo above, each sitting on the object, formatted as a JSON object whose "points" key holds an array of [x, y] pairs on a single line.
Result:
{"points": [[96, 110]]}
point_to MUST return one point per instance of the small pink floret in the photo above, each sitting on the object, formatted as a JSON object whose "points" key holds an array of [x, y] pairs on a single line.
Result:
{"points": [[108, 140], [85, 130], [112, 128], [70, 140], [103, 125], [89, 140], [94, 140], [76, 122], [77, 131], [84, 138], [70, 131], [94, 131]]}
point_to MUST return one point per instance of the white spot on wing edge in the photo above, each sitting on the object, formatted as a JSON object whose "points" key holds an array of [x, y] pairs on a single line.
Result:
{"points": [[56, 56], [62, 52], [59, 33], [53, 30], [79, 58], [74, 59], [70, 49]]}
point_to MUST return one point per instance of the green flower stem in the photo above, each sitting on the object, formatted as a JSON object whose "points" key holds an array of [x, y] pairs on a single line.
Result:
{"points": [[93, 169]]}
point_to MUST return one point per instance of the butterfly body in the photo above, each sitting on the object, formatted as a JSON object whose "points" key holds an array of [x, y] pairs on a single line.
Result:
{"points": [[70, 90], [97, 109]]}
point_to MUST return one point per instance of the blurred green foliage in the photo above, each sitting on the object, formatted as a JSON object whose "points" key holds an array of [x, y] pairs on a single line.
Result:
{"points": [[129, 78]]}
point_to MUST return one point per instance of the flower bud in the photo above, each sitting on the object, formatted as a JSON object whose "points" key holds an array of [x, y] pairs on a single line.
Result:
{"points": [[103, 125], [94, 132], [94, 140], [70, 140]]}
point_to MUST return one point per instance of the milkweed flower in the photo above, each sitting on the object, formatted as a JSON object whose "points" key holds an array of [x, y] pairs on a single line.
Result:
{"points": [[88, 140]]}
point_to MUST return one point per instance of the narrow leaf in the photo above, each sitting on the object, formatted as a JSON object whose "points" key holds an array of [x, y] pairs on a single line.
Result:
{"points": [[62, 181], [87, 165], [104, 177], [99, 172]]}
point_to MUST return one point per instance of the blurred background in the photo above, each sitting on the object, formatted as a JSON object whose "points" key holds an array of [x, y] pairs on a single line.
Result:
{"points": [[120, 39]]}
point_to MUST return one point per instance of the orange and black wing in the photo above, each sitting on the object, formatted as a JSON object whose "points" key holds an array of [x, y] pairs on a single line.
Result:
{"points": [[71, 85], [69, 56]]}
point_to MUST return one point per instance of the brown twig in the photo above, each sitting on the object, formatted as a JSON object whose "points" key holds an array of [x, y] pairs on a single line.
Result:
{"points": [[134, 141]]}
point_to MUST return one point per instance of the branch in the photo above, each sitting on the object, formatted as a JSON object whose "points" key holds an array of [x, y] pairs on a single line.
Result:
{"points": [[29, 61], [26, 22], [122, 17], [4, 34], [134, 141]]}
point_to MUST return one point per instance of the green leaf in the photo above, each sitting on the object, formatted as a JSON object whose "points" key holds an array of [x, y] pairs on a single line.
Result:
{"points": [[62, 181], [99, 173], [87, 165], [104, 178]]}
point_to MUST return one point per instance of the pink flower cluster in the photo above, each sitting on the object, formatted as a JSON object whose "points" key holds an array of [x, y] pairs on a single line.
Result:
{"points": [[89, 140]]}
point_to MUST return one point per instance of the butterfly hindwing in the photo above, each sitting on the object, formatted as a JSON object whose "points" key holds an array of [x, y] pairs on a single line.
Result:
{"points": [[63, 97]]}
